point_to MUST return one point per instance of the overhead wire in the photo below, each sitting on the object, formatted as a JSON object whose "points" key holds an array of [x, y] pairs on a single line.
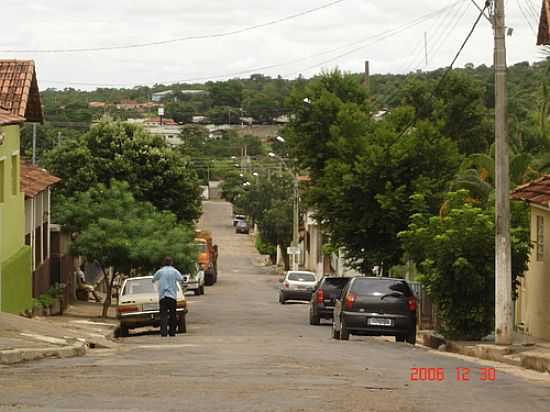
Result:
{"points": [[526, 17], [178, 39], [380, 36]]}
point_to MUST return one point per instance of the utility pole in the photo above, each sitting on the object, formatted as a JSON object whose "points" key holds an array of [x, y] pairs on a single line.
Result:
{"points": [[295, 222], [366, 80], [503, 260]]}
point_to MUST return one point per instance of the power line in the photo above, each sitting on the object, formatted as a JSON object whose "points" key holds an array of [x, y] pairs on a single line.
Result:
{"points": [[380, 36], [526, 17], [448, 70], [179, 39]]}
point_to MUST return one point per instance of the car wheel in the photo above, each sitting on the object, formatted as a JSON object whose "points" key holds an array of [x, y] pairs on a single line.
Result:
{"points": [[123, 331], [201, 290], [344, 332], [197, 292], [400, 338], [282, 299], [335, 333], [182, 325], [411, 337], [313, 318]]}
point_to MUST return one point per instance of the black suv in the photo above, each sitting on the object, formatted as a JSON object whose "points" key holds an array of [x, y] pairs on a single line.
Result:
{"points": [[328, 290], [376, 306]]}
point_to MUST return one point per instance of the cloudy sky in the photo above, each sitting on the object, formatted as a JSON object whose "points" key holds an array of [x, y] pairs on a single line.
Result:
{"points": [[388, 33]]}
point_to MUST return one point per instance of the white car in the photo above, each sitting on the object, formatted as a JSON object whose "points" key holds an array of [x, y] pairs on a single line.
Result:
{"points": [[139, 305], [297, 285], [194, 281]]}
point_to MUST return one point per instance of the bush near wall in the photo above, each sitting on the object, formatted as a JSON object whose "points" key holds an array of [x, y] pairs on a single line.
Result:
{"points": [[16, 287]]}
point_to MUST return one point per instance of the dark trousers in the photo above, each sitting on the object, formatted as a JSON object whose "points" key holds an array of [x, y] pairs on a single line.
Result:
{"points": [[168, 317]]}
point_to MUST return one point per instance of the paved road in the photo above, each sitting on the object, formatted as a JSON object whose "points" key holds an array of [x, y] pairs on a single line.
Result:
{"points": [[245, 352]]}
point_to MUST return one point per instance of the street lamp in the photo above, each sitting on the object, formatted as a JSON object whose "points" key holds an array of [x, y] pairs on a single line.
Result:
{"points": [[296, 211]]}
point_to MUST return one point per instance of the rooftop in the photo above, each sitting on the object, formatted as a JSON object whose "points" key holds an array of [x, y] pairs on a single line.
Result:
{"points": [[544, 25], [6, 118], [35, 180], [19, 94], [537, 192]]}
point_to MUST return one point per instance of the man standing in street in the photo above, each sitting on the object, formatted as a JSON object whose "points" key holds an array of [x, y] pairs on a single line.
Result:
{"points": [[167, 277]]}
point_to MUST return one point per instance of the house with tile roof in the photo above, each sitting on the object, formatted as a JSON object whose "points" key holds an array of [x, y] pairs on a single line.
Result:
{"points": [[36, 184], [544, 25], [532, 309], [19, 102]]}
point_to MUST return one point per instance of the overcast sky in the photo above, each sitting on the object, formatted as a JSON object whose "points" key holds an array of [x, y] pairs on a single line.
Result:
{"points": [[337, 36]]}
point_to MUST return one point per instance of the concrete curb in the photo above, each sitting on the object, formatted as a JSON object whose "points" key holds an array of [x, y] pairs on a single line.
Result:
{"points": [[13, 356], [503, 354]]}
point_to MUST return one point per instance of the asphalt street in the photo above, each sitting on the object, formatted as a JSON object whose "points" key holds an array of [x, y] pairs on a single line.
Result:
{"points": [[246, 352]]}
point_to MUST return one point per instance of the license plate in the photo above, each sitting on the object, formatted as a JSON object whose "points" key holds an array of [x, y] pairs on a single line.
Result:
{"points": [[301, 287], [379, 322], [150, 306]]}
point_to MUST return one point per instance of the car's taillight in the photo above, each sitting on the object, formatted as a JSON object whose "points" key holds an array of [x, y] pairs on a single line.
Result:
{"points": [[412, 304], [320, 296], [127, 309], [182, 304], [286, 285], [348, 301]]}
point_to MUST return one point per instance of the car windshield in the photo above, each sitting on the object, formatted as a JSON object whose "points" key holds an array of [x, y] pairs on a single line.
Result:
{"points": [[301, 276], [334, 284], [381, 287], [139, 287], [242, 223]]}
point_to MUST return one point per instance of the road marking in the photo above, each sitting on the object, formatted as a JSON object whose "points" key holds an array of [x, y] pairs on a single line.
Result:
{"points": [[167, 346]]}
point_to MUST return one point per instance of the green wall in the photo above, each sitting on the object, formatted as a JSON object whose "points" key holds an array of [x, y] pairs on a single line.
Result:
{"points": [[16, 282]]}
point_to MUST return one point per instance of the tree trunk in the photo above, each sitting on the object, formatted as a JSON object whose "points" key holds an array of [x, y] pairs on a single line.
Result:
{"points": [[286, 258], [107, 301]]}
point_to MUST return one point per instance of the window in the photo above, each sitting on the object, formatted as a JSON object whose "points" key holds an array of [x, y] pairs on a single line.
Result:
{"points": [[540, 238], [14, 175], [2, 173]]}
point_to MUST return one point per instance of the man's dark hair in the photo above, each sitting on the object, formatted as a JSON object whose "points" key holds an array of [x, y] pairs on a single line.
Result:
{"points": [[168, 261]]}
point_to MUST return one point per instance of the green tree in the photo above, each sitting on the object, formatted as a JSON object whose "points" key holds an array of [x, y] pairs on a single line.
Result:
{"points": [[118, 232], [121, 151], [455, 254]]}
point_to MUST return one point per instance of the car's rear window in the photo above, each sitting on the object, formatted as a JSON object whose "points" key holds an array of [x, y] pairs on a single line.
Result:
{"points": [[139, 287], [203, 247], [380, 287], [334, 284], [301, 277]]}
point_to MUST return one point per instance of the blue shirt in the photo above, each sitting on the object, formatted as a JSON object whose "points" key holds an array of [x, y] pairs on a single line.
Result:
{"points": [[168, 278]]}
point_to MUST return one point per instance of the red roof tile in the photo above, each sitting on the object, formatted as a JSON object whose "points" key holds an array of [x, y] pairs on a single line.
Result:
{"points": [[35, 180], [19, 92], [537, 191], [7, 118], [544, 26]]}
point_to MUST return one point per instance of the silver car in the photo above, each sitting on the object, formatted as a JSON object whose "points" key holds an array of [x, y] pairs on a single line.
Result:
{"points": [[297, 285]]}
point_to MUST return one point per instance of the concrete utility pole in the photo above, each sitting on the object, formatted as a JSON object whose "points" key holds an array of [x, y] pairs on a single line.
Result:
{"points": [[426, 48], [366, 79], [503, 259], [295, 223]]}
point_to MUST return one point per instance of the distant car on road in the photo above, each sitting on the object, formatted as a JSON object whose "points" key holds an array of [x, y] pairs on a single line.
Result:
{"points": [[376, 306], [139, 305], [323, 299], [297, 285], [194, 281], [238, 218], [242, 227]]}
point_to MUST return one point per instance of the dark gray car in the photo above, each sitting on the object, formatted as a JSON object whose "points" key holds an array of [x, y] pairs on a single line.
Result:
{"points": [[323, 299], [376, 306]]}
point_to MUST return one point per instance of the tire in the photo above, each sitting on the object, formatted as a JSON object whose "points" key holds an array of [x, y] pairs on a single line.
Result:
{"points": [[182, 325], [344, 332], [411, 337], [400, 338], [335, 333], [197, 292], [123, 331], [209, 279], [313, 318], [282, 299], [201, 290]]}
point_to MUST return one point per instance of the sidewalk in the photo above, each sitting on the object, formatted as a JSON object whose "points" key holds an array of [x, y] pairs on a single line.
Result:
{"points": [[23, 339], [526, 352]]}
